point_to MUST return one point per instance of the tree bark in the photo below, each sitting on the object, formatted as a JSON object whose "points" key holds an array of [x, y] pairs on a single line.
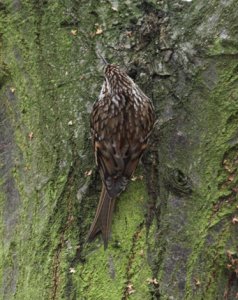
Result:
{"points": [[174, 233]]}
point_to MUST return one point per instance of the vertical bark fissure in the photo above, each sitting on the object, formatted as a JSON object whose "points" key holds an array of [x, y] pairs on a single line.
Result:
{"points": [[128, 289]]}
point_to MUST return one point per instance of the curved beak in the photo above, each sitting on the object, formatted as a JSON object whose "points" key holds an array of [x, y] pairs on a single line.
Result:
{"points": [[102, 58]]}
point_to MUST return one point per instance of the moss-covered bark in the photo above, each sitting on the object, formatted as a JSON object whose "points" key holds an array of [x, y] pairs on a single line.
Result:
{"points": [[174, 231]]}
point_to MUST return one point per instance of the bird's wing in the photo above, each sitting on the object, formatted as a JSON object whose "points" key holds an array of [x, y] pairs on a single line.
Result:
{"points": [[119, 143], [108, 143]]}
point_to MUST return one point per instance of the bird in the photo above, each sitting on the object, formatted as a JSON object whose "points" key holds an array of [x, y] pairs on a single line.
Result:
{"points": [[121, 123]]}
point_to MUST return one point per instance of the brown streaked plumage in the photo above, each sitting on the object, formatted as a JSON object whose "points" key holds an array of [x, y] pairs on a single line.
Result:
{"points": [[121, 122]]}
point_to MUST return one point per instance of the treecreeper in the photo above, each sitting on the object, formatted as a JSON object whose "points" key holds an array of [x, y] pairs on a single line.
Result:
{"points": [[121, 122]]}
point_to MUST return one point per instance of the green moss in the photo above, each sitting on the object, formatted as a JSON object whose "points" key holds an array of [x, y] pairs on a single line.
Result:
{"points": [[124, 261], [224, 47], [209, 226]]}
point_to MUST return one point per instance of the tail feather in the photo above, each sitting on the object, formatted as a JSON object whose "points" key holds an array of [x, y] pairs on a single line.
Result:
{"points": [[103, 218]]}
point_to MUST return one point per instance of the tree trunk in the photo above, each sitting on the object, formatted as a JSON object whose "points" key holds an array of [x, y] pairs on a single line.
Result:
{"points": [[174, 233]]}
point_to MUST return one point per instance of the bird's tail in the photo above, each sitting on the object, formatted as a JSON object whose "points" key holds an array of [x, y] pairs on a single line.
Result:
{"points": [[103, 218]]}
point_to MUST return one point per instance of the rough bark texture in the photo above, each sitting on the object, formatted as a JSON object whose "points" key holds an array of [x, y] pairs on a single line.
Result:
{"points": [[174, 232]]}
